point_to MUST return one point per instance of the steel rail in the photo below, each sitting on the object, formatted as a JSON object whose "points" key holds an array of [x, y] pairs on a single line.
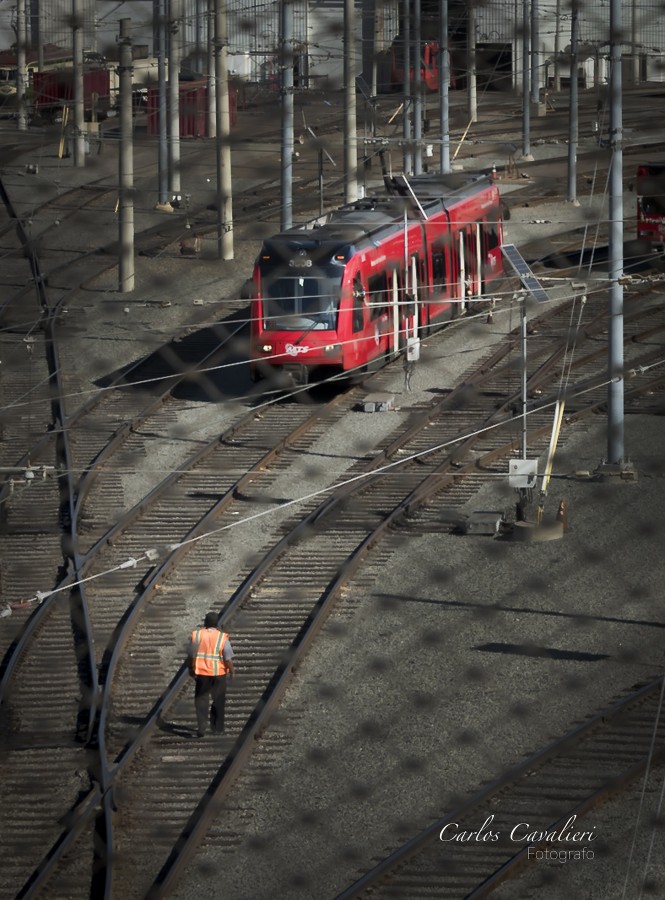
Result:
{"points": [[260, 722], [207, 808], [509, 779], [312, 632], [119, 436], [109, 774]]}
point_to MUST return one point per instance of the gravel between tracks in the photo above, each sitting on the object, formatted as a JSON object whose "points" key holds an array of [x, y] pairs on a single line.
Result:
{"points": [[413, 682]]}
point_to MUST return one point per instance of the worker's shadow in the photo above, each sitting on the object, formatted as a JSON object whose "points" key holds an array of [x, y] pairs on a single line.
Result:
{"points": [[176, 729]]}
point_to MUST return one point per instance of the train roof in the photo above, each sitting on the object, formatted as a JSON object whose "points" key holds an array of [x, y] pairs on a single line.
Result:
{"points": [[367, 221], [455, 187]]}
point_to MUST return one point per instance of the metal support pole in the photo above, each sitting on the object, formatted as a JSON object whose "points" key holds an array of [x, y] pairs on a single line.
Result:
{"points": [[212, 87], [535, 53], [471, 73], [444, 85], [79, 109], [350, 135], [523, 337], [573, 111], [37, 32], [417, 91], [406, 112], [223, 139], [21, 67], [377, 47], [557, 48], [162, 119], [635, 42], [126, 163], [175, 26], [287, 114], [526, 113], [199, 55], [615, 400]]}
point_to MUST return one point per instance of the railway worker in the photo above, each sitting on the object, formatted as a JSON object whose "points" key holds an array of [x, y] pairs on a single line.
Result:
{"points": [[211, 663]]}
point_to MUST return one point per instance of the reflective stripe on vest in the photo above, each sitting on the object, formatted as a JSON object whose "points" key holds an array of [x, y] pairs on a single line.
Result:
{"points": [[208, 644]]}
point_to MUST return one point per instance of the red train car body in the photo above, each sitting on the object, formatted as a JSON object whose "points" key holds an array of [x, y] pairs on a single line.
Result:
{"points": [[650, 193], [193, 108], [429, 66], [345, 295]]}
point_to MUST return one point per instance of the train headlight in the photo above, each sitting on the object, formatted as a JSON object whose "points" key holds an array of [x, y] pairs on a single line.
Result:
{"points": [[331, 348], [267, 348]]}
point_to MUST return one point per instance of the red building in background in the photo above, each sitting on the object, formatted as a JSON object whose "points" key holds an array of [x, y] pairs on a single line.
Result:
{"points": [[193, 109]]}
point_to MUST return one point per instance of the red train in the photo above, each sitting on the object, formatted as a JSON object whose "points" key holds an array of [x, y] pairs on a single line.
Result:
{"points": [[650, 192], [429, 65], [346, 294]]}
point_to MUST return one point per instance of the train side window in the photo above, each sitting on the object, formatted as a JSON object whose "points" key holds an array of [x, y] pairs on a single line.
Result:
{"points": [[490, 235], [378, 295], [422, 273], [440, 279], [358, 306], [653, 206]]}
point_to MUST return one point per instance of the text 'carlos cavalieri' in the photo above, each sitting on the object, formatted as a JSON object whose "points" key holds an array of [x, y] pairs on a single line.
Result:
{"points": [[522, 833]]}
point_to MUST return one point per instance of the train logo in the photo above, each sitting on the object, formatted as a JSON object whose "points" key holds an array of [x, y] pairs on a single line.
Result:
{"points": [[295, 349]]}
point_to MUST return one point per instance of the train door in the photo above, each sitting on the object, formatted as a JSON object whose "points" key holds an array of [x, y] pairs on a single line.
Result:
{"points": [[405, 304], [472, 262], [377, 341], [490, 252], [436, 288], [352, 325], [455, 272], [420, 282]]}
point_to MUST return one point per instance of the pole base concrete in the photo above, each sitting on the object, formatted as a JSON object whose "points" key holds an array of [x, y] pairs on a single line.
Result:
{"points": [[164, 207], [624, 471], [530, 531]]}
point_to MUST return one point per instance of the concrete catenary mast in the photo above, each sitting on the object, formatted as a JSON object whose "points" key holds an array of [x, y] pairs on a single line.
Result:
{"points": [[126, 163], [350, 135], [615, 399], [444, 84], [223, 137], [79, 110], [287, 114], [21, 67], [159, 24], [175, 25]]}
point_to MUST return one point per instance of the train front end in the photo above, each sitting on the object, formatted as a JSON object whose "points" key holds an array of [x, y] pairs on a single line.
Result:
{"points": [[295, 314]]}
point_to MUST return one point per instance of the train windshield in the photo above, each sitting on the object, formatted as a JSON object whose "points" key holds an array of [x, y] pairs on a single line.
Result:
{"points": [[293, 302]]}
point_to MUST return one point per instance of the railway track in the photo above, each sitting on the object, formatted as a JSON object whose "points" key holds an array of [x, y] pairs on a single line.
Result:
{"points": [[134, 765], [274, 604], [533, 812]]}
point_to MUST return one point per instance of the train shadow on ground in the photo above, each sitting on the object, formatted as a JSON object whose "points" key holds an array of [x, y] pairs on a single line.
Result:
{"points": [[637, 257], [216, 356]]}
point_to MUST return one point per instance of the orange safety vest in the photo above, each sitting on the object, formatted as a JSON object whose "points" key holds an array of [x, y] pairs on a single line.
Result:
{"points": [[207, 651]]}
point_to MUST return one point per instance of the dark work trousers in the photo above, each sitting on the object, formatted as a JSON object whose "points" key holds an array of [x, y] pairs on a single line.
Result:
{"points": [[210, 688]]}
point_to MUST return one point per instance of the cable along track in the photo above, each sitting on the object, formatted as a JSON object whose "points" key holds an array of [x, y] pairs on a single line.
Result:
{"points": [[573, 775]]}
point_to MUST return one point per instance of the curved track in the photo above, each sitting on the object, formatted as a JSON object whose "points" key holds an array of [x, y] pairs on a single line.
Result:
{"points": [[273, 617], [549, 793], [133, 761]]}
